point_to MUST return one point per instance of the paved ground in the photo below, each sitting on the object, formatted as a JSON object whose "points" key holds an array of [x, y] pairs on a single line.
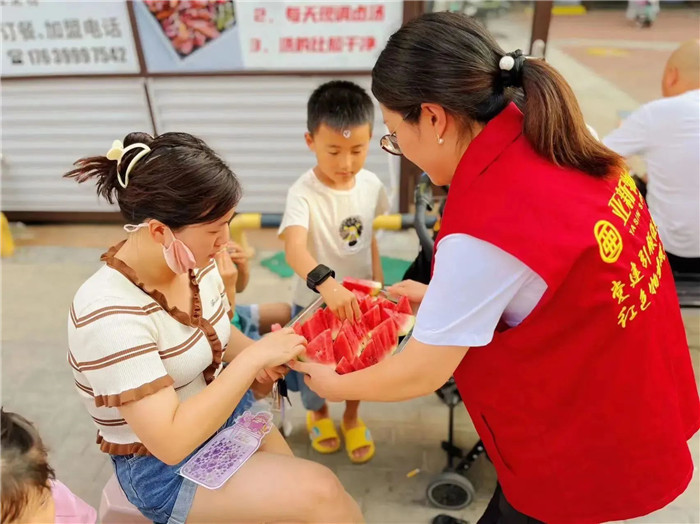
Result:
{"points": [[611, 66]]}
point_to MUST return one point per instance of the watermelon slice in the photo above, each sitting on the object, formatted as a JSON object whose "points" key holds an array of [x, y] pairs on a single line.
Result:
{"points": [[366, 286], [359, 295], [404, 322], [332, 322], [351, 337], [367, 304], [386, 304], [341, 349], [299, 330], [361, 333], [404, 306], [320, 349], [372, 318], [375, 352], [344, 366], [387, 334], [315, 325]]}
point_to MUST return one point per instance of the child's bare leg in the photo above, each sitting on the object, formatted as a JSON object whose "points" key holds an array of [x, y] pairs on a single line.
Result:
{"points": [[274, 486], [273, 313], [350, 420]]}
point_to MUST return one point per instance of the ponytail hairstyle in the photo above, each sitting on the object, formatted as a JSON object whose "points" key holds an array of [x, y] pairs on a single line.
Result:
{"points": [[452, 60], [174, 178]]}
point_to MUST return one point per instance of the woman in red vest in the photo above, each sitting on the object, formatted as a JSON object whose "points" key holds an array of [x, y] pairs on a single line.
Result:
{"points": [[552, 302]]}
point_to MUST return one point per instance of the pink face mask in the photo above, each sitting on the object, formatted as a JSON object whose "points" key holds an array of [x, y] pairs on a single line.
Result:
{"points": [[177, 255]]}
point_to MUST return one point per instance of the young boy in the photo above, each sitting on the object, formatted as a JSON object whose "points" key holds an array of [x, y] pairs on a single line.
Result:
{"points": [[29, 491], [327, 233]]}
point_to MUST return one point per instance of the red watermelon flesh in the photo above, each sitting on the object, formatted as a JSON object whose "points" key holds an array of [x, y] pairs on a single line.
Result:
{"points": [[368, 357], [351, 337], [341, 349], [404, 322], [361, 332], [315, 325], [332, 322], [366, 286], [388, 334], [344, 366], [359, 295], [404, 306], [299, 330], [375, 352], [372, 318], [320, 349], [386, 304]]}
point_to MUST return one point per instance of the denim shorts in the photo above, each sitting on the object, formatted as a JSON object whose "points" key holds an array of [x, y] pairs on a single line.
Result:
{"points": [[156, 488], [247, 320]]}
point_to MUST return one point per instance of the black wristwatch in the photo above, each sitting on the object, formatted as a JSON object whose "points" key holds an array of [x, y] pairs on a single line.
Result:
{"points": [[318, 276]]}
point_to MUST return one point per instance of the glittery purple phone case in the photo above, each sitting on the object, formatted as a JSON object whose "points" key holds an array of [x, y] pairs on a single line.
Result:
{"points": [[228, 450]]}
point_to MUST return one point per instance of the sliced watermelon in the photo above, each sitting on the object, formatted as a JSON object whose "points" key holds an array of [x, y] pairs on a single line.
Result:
{"points": [[341, 349], [366, 286], [386, 304], [275, 327], [315, 325], [351, 337], [332, 322], [361, 333], [367, 304], [344, 366], [320, 349], [404, 306], [404, 322], [373, 317], [375, 352], [387, 333], [359, 295], [299, 330]]}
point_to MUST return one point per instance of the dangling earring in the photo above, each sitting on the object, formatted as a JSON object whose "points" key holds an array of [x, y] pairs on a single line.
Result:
{"points": [[441, 140]]}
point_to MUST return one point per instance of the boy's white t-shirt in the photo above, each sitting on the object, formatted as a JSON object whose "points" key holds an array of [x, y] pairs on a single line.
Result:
{"points": [[339, 225]]}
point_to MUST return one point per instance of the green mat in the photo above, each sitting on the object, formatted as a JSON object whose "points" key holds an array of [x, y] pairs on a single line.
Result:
{"points": [[394, 268]]}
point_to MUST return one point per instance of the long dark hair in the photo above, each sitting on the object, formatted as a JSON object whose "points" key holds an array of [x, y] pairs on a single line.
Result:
{"points": [[180, 182], [452, 60]]}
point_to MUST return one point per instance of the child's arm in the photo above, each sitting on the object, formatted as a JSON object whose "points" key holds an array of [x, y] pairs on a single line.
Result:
{"points": [[377, 270], [240, 259], [340, 301], [229, 275]]}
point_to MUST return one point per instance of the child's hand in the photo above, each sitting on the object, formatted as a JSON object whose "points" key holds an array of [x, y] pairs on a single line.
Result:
{"points": [[238, 256], [277, 348], [227, 269], [342, 302]]}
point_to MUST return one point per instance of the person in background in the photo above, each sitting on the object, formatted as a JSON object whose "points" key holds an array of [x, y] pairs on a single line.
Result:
{"points": [[253, 320], [328, 235], [30, 491], [666, 134]]}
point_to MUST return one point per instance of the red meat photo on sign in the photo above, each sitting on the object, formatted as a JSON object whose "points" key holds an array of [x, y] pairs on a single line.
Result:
{"points": [[190, 25]]}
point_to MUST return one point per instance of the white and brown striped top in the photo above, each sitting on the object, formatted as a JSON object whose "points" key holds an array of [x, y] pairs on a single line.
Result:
{"points": [[126, 343]]}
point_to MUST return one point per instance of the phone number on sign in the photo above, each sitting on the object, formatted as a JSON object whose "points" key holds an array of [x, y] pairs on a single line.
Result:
{"points": [[77, 55]]}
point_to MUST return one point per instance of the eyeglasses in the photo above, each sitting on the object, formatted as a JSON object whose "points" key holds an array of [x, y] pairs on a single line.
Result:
{"points": [[390, 143]]}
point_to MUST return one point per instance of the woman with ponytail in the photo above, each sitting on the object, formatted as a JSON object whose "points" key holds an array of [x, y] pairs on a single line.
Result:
{"points": [[551, 301], [148, 334]]}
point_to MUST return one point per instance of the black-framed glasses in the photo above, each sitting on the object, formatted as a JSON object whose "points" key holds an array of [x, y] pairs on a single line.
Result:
{"points": [[390, 143]]}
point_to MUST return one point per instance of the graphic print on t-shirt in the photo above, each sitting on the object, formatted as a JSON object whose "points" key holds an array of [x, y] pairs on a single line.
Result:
{"points": [[351, 231]]}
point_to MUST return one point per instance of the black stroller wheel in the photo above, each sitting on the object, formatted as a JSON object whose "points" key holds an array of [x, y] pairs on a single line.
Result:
{"points": [[450, 490]]}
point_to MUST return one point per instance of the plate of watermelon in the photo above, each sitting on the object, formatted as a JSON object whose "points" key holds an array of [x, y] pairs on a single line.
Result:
{"points": [[354, 346]]}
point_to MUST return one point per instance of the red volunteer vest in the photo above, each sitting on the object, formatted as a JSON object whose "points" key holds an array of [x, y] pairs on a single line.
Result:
{"points": [[586, 407]]}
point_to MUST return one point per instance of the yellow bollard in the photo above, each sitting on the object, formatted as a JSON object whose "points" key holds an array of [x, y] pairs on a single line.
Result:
{"points": [[238, 226], [391, 222], [7, 245]]}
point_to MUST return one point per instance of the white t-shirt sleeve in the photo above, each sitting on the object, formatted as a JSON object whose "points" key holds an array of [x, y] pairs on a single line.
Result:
{"points": [[296, 211], [474, 285], [631, 138], [382, 202]]}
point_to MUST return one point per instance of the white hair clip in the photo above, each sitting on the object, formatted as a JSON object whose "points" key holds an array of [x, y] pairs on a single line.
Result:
{"points": [[506, 63], [116, 152], [347, 133]]}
